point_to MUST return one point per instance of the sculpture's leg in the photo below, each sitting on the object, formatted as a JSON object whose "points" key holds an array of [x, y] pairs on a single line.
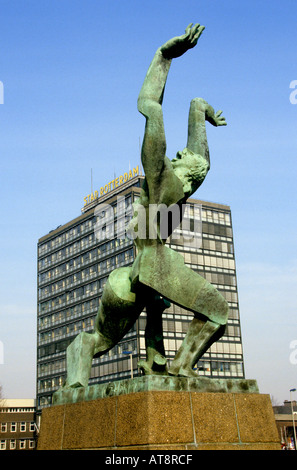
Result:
{"points": [[118, 310], [79, 355], [155, 353], [200, 336]]}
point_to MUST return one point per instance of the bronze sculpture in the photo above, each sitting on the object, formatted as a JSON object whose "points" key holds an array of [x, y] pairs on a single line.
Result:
{"points": [[158, 275]]}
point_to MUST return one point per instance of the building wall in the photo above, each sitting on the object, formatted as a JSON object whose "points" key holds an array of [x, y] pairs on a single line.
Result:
{"points": [[73, 266], [17, 421], [284, 416]]}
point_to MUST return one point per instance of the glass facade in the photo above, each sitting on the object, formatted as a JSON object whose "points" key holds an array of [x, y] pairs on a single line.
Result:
{"points": [[73, 267]]}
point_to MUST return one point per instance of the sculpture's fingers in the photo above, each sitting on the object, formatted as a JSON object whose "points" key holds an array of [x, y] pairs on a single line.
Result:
{"points": [[194, 30], [199, 32], [188, 28]]}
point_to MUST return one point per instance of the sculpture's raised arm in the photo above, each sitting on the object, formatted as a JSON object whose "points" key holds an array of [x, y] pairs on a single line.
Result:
{"points": [[151, 97], [178, 45]]}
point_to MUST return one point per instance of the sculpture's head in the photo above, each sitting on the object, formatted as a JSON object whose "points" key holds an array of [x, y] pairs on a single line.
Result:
{"points": [[191, 169]]}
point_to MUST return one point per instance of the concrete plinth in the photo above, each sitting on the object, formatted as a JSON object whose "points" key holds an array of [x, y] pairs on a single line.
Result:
{"points": [[167, 420]]}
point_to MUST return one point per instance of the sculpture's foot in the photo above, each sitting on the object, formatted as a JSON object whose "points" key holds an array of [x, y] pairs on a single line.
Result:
{"points": [[156, 367], [182, 372], [68, 385]]}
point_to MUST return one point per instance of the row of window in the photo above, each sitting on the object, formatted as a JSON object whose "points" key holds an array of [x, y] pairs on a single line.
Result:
{"points": [[58, 347], [126, 257], [233, 369], [59, 300], [116, 369], [66, 236], [98, 251], [169, 325], [202, 260], [15, 426], [52, 367], [54, 348], [88, 289], [205, 261], [217, 230], [57, 367], [75, 263], [77, 294], [105, 265], [70, 329], [88, 323], [11, 444], [220, 279], [82, 244], [113, 361], [101, 370], [50, 384], [215, 216], [198, 241], [172, 344], [216, 245], [84, 308], [182, 314], [16, 410], [74, 295], [124, 206]]}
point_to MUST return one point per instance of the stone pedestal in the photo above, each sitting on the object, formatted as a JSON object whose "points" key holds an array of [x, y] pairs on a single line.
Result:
{"points": [[184, 420]]}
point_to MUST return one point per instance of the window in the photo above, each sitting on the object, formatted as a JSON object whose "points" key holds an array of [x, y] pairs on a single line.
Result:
{"points": [[23, 426], [31, 443], [12, 427], [22, 444], [32, 426], [12, 444], [3, 427], [3, 444]]}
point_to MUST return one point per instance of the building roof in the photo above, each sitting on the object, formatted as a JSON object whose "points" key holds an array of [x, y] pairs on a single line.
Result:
{"points": [[18, 403]]}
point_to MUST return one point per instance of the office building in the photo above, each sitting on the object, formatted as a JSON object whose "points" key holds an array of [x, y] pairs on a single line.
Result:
{"points": [[73, 267], [285, 417], [18, 427]]}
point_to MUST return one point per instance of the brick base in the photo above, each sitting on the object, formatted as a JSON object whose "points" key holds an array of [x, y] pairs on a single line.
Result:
{"points": [[165, 420]]}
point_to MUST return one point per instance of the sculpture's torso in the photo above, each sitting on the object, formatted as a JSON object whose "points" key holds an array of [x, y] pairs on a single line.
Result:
{"points": [[163, 192]]}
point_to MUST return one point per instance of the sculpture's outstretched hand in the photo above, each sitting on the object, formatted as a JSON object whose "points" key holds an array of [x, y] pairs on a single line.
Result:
{"points": [[177, 46], [214, 118], [219, 120]]}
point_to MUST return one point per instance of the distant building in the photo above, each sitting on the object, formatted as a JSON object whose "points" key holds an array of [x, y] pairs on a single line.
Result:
{"points": [[18, 428], [73, 267], [284, 415]]}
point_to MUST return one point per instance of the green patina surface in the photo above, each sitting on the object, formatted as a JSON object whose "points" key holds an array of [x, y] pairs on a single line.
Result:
{"points": [[154, 383], [159, 275]]}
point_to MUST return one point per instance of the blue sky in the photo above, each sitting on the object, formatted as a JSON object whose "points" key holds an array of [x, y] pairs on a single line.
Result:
{"points": [[72, 70]]}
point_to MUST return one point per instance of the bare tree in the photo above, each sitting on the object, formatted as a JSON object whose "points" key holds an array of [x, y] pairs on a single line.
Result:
{"points": [[274, 401]]}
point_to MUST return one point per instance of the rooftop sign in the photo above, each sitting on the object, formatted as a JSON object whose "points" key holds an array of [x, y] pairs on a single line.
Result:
{"points": [[111, 185]]}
